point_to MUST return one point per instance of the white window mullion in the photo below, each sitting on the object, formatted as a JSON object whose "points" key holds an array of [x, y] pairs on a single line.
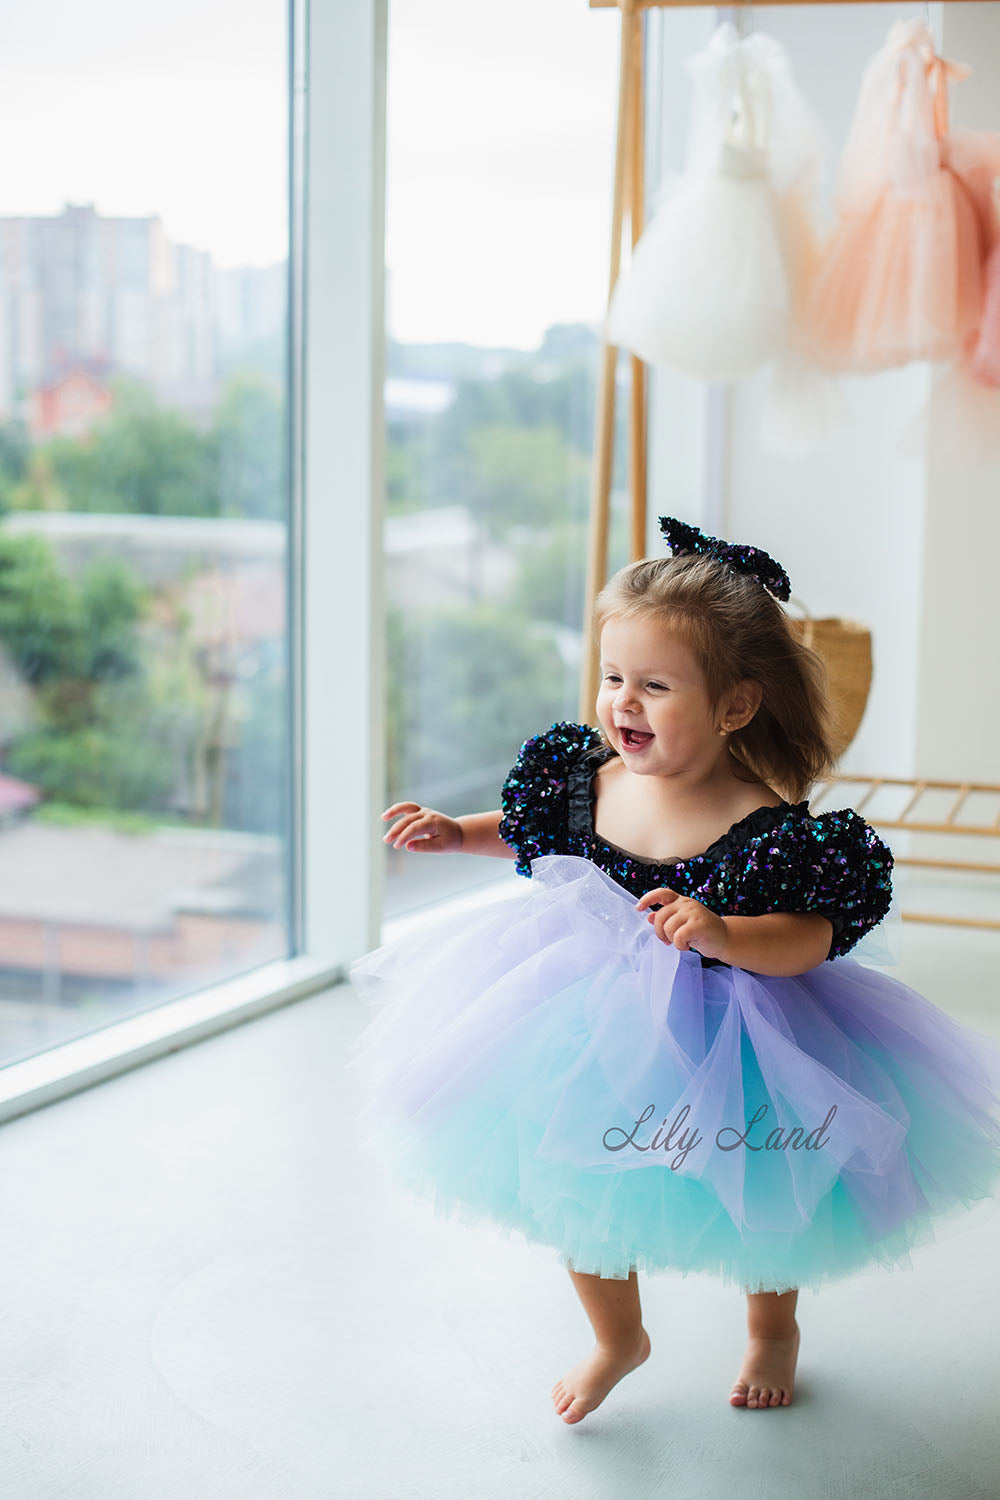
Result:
{"points": [[343, 483]]}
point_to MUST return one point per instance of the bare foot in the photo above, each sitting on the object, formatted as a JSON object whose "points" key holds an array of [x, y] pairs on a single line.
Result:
{"points": [[767, 1374], [589, 1382]]}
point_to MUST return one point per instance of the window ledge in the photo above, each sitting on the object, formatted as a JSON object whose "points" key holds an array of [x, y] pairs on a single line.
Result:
{"points": [[32, 1082]]}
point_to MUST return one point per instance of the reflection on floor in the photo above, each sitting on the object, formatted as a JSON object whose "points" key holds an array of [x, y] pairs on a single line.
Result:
{"points": [[206, 1290]]}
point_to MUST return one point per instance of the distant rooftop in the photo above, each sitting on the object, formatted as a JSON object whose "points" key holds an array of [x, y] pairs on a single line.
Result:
{"points": [[16, 794], [424, 397], [442, 526], [135, 882]]}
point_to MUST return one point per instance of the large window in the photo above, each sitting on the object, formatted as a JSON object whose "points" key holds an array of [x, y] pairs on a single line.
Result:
{"points": [[144, 766], [498, 220]]}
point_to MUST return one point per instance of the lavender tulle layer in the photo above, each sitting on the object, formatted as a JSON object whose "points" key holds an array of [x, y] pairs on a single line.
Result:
{"points": [[551, 1067]]}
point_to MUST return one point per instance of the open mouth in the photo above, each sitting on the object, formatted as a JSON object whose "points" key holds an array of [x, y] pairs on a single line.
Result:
{"points": [[635, 738]]}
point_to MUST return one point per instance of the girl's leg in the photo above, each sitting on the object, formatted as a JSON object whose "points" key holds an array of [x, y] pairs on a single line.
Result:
{"points": [[767, 1375], [622, 1343]]}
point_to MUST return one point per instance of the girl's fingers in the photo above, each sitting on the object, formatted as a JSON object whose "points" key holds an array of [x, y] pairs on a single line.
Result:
{"points": [[414, 831], [656, 896], [395, 833], [669, 929], [400, 807]]}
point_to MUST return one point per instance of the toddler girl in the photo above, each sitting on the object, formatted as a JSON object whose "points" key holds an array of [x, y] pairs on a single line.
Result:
{"points": [[661, 1056]]}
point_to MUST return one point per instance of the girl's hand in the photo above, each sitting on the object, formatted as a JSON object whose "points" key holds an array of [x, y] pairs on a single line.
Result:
{"points": [[422, 829], [686, 923]]}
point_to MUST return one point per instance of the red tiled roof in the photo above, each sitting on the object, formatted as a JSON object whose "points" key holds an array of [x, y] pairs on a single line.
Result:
{"points": [[15, 793]]}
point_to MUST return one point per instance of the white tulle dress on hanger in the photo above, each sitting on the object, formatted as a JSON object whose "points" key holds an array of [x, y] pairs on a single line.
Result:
{"points": [[716, 274]]}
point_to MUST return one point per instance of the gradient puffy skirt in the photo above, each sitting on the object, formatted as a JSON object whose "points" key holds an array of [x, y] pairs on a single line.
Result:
{"points": [[548, 1065]]}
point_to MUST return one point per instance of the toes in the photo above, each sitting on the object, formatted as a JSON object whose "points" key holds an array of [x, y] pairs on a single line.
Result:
{"points": [[759, 1396], [575, 1413]]}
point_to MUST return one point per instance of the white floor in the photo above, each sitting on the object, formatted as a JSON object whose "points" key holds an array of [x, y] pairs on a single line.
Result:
{"points": [[207, 1294]]}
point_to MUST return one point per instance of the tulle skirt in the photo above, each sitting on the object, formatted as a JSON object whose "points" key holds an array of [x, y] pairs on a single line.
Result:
{"points": [[900, 281], [708, 290], [551, 1067], [984, 359]]}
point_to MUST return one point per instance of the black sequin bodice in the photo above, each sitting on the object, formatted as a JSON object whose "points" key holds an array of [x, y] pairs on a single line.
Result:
{"points": [[778, 858]]}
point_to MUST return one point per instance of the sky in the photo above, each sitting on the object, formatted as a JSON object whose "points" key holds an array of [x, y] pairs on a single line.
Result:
{"points": [[176, 109], [501, 127], [501, 121]]}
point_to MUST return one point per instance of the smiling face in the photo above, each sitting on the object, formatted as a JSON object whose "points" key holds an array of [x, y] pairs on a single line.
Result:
{"points": [[653, 703]]}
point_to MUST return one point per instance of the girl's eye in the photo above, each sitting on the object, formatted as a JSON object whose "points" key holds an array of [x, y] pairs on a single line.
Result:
{"points": [[613, 677]]}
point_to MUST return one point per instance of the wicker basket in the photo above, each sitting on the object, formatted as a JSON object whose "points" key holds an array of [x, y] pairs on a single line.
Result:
{"points": [[846, 648]]}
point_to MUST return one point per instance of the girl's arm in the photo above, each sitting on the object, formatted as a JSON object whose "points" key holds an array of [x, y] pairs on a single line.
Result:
{"points": [[778, 942], [422, 830], [480, 836]]}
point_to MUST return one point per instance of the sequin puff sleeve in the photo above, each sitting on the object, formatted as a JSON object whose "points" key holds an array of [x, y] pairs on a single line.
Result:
{"points": [[534, 798], [834, 864]]}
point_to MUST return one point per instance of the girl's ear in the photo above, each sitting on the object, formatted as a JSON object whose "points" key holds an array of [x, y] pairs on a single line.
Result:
{"points": [[744, 701]]}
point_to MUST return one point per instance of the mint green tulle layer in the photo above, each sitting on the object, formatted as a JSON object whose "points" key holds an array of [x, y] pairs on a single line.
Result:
{"points": [[509, 1055], [480, 1164]]}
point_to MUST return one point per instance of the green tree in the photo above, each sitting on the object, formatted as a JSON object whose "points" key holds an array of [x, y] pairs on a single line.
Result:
{"points": [[408, 472], [15, 449], [248, 436], [143, 458], [116, 760], [97, 740], [257, 792], [41, 613], [551, 575], [466, 685], [524, 397], [112, 601], [514, 476], [42, 487], [56, 629]]}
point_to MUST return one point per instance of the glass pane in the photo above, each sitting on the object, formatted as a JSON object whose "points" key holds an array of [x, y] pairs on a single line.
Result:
{"points": [[144, 768], [500, 172]]}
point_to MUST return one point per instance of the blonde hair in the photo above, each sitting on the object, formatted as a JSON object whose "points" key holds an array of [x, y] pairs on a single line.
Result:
{"points": [[735, 630]]}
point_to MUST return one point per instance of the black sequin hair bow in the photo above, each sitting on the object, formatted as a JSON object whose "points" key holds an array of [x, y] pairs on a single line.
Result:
{"points": [[740, 557]]}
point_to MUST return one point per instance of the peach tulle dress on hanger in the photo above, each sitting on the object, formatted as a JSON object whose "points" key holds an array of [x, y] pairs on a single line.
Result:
{"points": [[718, 274], [984, 363], [983, 358], [960, 421], [901, 276]]}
